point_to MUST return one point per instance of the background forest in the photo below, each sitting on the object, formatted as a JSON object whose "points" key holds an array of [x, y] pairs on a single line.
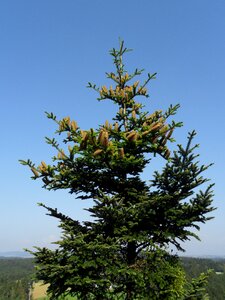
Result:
{"points": [[16, 276]]}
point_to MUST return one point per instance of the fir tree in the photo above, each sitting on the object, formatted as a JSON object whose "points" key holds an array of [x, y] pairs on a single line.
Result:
{"points": [[120, 252]]}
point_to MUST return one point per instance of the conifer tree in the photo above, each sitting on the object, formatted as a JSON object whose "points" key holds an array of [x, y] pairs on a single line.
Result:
{"points": [[120, 253]]}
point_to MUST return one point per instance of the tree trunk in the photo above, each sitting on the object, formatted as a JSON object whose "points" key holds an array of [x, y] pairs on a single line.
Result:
{"points": [[131, 258]]}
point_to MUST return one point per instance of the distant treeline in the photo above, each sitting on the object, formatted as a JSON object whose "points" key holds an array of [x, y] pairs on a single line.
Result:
{"points": [[16, 276], [216, 285]]}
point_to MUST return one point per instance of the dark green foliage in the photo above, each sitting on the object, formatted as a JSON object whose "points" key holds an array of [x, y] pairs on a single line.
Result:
{"points": [[15, 278], [120, 252]]}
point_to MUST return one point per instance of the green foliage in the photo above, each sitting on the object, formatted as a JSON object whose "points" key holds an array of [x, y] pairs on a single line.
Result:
{"points": [[120, 253], [15, 278], [196, 289], [194, 267]]}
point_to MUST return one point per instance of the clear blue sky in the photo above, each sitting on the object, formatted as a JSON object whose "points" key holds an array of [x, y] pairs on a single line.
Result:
{"points": [[50, 49]]}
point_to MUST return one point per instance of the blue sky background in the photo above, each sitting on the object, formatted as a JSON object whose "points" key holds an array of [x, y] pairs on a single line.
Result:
{"points": [[50, 49]]}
